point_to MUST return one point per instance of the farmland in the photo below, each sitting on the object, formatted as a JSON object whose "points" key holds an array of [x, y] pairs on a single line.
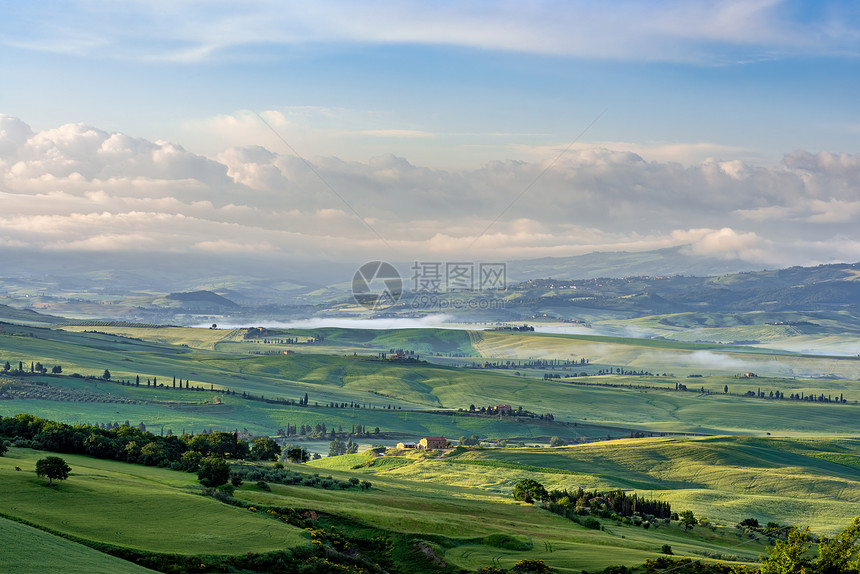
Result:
{"points": [[461, 505], [711, 438], [428, 397]]}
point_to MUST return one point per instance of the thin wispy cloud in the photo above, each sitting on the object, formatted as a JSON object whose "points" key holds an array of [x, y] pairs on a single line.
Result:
{"points": [[672, 30]]}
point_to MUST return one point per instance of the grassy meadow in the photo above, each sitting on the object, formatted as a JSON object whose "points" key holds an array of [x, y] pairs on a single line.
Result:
{"points": [[726, 479], [460, 503], [466, 523], [26, 550], [134, 506]]}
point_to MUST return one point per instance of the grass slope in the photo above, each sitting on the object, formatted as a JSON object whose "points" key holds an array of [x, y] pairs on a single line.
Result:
{"points": [[791, 481], [473, 525], [26, 550], [135, 507]]}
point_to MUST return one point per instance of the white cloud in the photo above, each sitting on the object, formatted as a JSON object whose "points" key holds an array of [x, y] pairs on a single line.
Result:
{"points": [[725, 243], [76, 187]]}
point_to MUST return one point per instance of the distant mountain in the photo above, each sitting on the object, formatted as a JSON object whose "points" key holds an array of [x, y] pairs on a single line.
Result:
{"points": [[616, 264], [202, 299], [834, 287]]}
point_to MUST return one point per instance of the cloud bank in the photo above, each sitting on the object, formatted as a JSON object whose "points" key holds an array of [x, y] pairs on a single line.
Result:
{"points": [[79, 188]]}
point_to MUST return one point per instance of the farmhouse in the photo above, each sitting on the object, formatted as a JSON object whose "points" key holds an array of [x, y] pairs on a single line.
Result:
{"points": [[404, 445], [433, 443]]}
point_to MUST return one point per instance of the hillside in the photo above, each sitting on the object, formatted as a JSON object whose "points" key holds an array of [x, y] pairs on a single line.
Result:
{"points": [[26, 316], [201, 299], [627, 385], [466, 524], [710, 435]]}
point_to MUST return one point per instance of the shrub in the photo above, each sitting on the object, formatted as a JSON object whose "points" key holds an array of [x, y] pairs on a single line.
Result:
{"points": [[531, 566], [263, 485], [748, 522], [666, 549], [591, 523]]}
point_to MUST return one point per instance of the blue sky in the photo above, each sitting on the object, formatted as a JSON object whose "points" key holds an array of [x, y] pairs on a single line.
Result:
{"points": [[462, 102]]}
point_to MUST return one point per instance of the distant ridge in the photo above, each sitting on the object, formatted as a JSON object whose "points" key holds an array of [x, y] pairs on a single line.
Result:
{"points": [[26, 316], [617, 264], [202, 297]]}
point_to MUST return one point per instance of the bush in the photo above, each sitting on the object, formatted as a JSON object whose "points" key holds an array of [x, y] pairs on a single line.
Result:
{"points": [[748, 523], [666, 549], [591, 523], [262, 485], [532, 567]]}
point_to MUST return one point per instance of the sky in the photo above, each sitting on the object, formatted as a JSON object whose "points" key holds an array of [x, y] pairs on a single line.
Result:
{"points": [[433, 130]]}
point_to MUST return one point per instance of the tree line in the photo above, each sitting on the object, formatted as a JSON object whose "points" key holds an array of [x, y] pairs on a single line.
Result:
{"points": [[580, 501], [132, 444]]}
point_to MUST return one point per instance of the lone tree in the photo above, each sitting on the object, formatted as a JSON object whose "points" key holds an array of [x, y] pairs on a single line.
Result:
{"points": [[53, 467], [213, 471], [529, 490], [688, 519], [298, 454], [336, 447], [265, 448]]}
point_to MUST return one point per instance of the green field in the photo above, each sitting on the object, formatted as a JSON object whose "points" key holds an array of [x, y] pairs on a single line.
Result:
{"points": [[468, 524], [726, 455], [469, 505], [26, 550], [791, 481], [136, 507], [624, 402], [461, 504]]}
